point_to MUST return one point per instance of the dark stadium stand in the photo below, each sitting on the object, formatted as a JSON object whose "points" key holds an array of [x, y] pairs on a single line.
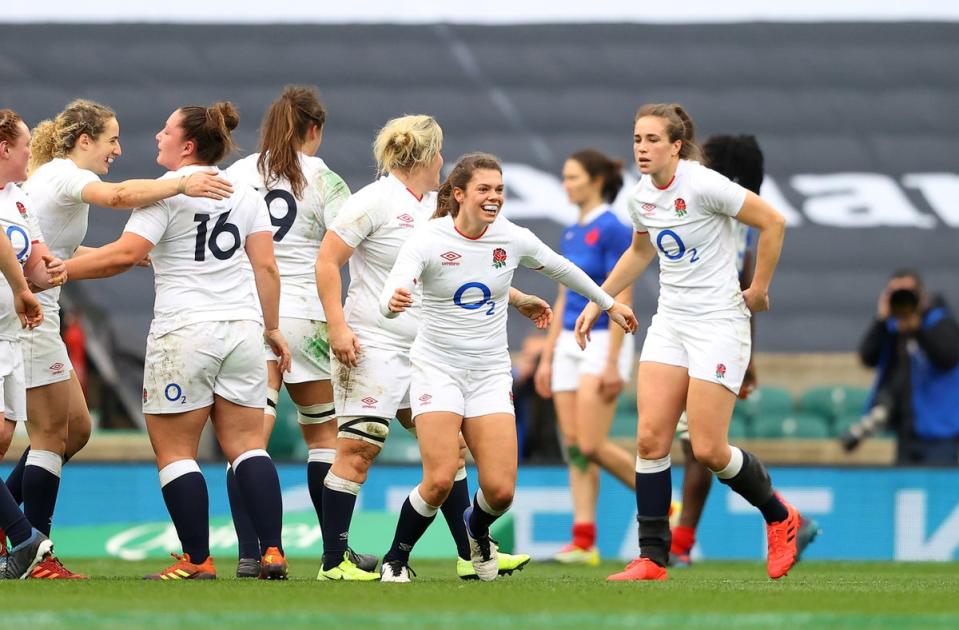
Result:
{"points": [[823, 99]]}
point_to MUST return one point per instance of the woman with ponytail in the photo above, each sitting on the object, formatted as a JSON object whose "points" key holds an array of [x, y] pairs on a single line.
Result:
{"points": [[585, 385], [69, 155], [698, 345], [303, 196], [204, 354]]}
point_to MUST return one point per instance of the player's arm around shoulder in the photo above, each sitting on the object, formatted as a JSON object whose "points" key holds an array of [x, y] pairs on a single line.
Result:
{"points": [[408, 270]]}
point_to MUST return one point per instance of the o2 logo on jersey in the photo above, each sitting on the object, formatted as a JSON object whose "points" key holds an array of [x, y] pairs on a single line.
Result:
{"points": [[174, 392], [20, 241], [470, 288], [676, 249]]}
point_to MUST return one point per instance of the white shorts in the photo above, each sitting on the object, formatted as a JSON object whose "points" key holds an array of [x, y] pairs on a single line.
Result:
{"points": [[715, 350], [378, 387], [185, 367], [682, 427], [570, 363], [11, 378], [469, 393], [310, 346], [45, 358]]}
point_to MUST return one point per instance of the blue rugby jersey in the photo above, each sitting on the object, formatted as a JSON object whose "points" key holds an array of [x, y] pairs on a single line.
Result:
{"points": [[595, 248]]}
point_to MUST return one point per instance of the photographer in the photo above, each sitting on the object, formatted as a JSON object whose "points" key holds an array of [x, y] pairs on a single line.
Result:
{"points": [[914, 344]]}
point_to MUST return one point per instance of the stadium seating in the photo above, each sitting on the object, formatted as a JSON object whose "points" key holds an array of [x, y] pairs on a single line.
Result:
{"points": [[834, 402], [795, 425]]}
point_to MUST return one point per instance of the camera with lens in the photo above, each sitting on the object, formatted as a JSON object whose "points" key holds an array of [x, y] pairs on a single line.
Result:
{"points": [[903, 302]]}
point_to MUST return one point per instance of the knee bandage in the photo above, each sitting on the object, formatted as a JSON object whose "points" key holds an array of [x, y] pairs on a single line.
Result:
{"points": [[366, 428], [272, 397], [575, 457], [315, 414]]}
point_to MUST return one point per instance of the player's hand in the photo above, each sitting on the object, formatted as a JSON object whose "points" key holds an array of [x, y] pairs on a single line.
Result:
{"points": [[757, 300], [344, 345], [277, 342], [56, 270], [543, 378], [28, 309], [584, 323], [401, 300], [207, 184], [535, 308], [750, 382], [623, 316], [145, 262], [611, 382]]}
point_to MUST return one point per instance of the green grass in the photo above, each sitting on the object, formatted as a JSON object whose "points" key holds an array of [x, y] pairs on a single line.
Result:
{"points": [[711, 595]]}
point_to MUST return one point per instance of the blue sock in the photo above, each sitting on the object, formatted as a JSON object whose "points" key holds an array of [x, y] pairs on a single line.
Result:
{"points": [[456, 503], [654, 490], [247, 543], [482, 516], [319, 463], [12, 520], [415, 517], [41, 484], [339, 500], [260, 486], [185, 494], [15, 478]]}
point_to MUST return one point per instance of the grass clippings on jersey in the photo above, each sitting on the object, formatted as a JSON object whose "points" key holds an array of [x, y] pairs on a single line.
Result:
{"points": [[834, 595]]}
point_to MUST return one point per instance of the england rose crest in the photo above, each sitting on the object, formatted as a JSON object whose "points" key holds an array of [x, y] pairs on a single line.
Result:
{"points": [[680, 206], [720, 370], [499, 258]]}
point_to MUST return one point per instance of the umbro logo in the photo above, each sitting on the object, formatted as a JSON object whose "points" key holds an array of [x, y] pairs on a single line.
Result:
{"points": [[56, 368], [425, 399], [369, 402], [648, 208], [451, 258], [405, 220]]}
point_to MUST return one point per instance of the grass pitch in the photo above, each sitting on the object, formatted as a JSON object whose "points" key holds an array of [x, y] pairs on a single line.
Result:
{"points": [[544, 596]]}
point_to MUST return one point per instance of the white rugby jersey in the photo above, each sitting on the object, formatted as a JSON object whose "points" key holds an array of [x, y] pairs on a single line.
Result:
{"points": [[376, 221], [198, 258], [690, 223], [22, 229], [465, 288], [56, 198], [299, 225]]}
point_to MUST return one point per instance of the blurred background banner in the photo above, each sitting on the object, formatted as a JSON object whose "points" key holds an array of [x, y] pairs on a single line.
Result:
{"points": [[866, 514]]}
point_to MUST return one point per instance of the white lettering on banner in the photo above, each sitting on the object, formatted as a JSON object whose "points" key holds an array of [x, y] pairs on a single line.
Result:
{"points": [[911, 542], [858, 200], [941, 190], [843, 200]]}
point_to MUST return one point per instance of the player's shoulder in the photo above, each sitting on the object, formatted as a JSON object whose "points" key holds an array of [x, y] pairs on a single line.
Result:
{"points": [[244, 170]]}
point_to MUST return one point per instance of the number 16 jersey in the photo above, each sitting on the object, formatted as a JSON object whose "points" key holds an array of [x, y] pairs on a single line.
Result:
{"points": [[198, 256], [690, 223]]}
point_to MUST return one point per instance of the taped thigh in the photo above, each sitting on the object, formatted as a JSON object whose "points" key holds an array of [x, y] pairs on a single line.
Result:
{"points": [[366, 428]]}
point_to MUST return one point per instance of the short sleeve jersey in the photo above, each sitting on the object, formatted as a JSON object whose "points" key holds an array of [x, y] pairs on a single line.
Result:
{"points": [[465, 289], [376, 221], [594, 246], [299, 225], [690, 223], [199, 258], [21, 227], [56, 198]]}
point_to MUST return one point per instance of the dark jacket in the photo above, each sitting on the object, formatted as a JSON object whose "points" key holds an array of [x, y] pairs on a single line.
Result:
{"points": [[921, 377]]}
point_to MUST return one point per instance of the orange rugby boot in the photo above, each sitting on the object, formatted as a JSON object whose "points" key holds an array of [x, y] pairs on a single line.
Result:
{"points": [[185, 569], [52, 569], [639, 569], [274, 565], [781, 542]]}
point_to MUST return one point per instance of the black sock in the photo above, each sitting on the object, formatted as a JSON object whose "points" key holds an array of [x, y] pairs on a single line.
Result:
{"points": [[456, 503], [248, 545], [41, 484], [654, 492], [260, 487], [481, 519], [753, 484], [12, 520], [316, 470], [188, 503], [411, 527], [339, 500], [15, 478]]}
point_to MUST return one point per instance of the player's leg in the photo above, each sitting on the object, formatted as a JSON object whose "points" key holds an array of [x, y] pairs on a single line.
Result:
{"points": [[48, 413], [438, 434], [7, 429], [175, 438], [492, 440], [583, 483], [248, 545], [29, 546], [697, 480], [79, 424]]}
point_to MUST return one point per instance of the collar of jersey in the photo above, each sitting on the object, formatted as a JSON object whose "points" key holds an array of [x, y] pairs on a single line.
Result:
{"points": [[470, 238], [395, 181], [593, 214]]}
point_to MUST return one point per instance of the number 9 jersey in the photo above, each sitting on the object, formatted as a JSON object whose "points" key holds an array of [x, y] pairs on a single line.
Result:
{"points": [[198, 259], [690, 223]]}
